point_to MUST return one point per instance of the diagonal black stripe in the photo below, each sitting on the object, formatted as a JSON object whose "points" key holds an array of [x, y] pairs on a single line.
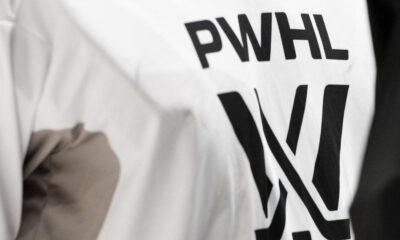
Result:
{"points": [[333, 230], [296, 119], [326, 176], [275, 230], [246, 131]]}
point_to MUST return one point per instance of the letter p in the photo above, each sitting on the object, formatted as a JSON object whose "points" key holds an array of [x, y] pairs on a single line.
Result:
{"points": [[203, 49]]}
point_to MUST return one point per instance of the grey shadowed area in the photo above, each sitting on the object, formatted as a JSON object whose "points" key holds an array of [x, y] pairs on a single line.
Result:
{"points": [[69, 180]]}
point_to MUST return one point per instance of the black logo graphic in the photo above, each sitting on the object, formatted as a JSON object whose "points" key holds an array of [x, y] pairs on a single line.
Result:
{"points": [[326, 177]]}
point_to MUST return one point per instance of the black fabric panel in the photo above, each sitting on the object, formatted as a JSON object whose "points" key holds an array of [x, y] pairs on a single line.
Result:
{"points": [[376, 208]]}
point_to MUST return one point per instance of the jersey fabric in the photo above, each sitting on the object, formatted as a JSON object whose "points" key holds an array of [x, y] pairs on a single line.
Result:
{"points": [[131, 119]]}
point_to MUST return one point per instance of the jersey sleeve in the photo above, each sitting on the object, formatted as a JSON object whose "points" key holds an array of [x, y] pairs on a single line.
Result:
{"points": [[23, 64], [89, 153], [100, 151]]}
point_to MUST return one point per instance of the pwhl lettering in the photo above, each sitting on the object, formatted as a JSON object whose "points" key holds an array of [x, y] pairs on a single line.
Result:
{"points": [[262, 48]]}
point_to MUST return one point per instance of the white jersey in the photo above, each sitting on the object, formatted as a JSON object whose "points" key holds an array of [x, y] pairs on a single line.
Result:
{"points": [[178, 120]]}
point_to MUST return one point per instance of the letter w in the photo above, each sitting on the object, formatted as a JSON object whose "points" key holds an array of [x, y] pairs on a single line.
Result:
{"points": [[263, 51]]}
